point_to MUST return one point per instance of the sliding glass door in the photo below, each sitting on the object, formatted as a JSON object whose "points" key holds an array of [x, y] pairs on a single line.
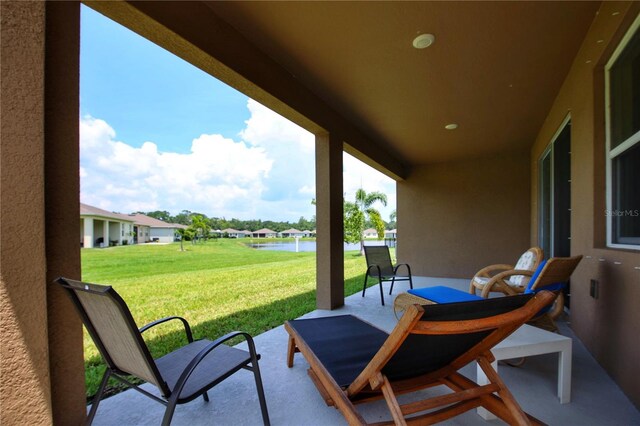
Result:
{"points": [[555, 196]]}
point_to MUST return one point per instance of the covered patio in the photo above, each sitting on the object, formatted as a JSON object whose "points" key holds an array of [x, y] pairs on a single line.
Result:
{"points": [[293, 399], [499, 135]]}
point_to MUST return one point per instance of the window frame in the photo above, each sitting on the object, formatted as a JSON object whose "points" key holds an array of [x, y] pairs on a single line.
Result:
{"points": [[624, 146]]}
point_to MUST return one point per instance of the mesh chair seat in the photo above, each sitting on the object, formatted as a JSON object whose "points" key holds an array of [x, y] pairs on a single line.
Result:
{"points": [[217, 366]]}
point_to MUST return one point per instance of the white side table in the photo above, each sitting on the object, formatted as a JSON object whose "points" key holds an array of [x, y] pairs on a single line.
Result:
{"points": [[529, 341]]}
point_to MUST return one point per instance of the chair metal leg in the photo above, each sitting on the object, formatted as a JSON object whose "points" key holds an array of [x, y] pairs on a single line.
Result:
{"points": [[205, 396], [261, 398], [364, 288], [168, 413], [381, 292], [393, 281], [96, 399], [410, 282]]}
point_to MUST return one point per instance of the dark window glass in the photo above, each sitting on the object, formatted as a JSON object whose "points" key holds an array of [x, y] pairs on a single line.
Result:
{"points": [[624, 81], [626, 196]]}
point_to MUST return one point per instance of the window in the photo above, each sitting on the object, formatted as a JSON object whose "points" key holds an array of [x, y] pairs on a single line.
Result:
{"points": [[623, 142]]}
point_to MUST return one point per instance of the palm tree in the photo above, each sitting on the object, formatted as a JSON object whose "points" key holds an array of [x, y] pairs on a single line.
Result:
{"points": [[363, 203]]}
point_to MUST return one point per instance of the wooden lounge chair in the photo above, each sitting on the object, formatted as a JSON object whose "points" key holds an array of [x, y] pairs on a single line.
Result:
{"points": [[426, 348], [181, 375], [550, 275], [379, 266], [507, 279]]}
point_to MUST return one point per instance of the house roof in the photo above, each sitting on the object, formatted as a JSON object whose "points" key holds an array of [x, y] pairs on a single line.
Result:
{"points": [[87, 210], [137, 218], [144, 220], [231, 231], [264, 231], [370, 231], [291, 231]]}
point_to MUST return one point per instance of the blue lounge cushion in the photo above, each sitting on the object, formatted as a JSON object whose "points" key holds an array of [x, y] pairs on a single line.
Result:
{"points": [[534, 277], [442, 294]]}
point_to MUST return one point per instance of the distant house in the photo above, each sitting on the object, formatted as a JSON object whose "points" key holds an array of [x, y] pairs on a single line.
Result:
{"points": [[233, 233], [264, 233], [391, 234], [155, 230], [292, 233], [370, 233], [102, 228]]}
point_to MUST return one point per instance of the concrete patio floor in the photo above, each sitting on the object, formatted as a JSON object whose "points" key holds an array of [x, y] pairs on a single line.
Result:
{"points": [[293, 399]]}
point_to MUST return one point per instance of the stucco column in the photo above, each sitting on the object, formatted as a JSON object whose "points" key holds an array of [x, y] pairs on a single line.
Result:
{"points": [[329, 219], [105, 233], [62, 209], [88, 232]]}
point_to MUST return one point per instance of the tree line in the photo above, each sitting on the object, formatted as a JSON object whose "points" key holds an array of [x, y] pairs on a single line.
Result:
{"points": [[186, 217], [359, 215]]}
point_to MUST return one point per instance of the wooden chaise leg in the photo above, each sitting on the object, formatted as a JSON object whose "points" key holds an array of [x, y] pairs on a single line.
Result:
{"points": [[493, 403], [291, 351], [519, 417], [392, 402]]}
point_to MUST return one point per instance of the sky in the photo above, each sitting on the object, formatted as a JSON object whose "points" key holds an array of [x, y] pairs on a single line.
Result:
{"points": [[157, 133]]}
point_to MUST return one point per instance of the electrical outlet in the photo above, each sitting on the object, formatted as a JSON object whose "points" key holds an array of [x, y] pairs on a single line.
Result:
{"points": [[594, 290]]}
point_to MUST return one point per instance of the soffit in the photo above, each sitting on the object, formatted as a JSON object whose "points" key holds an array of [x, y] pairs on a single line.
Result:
{"points": [[494, 68]]}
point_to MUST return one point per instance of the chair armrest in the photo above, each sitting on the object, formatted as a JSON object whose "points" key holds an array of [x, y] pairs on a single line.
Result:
{"points": [[376, 267], [485, 272], [498, 279], [186, 373], [395, 270], [187, 328]]}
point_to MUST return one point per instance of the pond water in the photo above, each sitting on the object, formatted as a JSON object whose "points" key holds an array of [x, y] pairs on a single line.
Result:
{"points": [[305, 245]]}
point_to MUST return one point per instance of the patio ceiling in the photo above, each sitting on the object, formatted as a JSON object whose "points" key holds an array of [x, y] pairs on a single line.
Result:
{"points": [[494, 69]]}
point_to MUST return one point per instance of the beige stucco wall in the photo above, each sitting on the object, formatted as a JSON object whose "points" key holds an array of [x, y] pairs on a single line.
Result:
{"points": [[455, 218], [609, 325], [41, 368], [24, 357]]}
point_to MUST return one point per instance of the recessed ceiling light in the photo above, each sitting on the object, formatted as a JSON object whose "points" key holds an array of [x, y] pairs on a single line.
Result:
{"points": [[423, 41], [451, 126]]}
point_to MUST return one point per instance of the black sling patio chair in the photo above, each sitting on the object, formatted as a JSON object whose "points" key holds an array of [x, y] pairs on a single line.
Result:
{"points": [[379, 266], [180, 376], [426, 348]]}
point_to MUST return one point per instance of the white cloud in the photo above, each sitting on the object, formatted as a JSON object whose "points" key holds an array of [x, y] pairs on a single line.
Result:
{"points": [[217, 173], [269, 174], [357, 174]]}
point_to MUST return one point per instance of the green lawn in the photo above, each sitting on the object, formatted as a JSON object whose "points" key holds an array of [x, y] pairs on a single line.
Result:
{"points": [[218, 286]]}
